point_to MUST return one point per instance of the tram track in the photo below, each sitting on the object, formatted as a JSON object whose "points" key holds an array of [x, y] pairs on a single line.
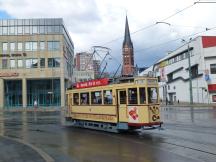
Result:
{"points": [[159, 139]]}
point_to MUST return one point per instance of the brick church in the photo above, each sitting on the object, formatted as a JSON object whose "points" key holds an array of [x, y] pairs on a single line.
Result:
{"points": [[128, 53]]}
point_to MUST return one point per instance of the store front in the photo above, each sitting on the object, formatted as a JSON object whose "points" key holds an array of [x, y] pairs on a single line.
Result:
{"points": [[13, 93], [45, 91]]}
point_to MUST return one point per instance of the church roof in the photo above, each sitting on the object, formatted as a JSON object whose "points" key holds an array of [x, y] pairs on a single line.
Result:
{"points": [[127, 38]]}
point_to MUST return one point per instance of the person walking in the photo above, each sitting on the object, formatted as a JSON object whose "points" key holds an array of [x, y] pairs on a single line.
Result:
{"points": [[35, 103]]}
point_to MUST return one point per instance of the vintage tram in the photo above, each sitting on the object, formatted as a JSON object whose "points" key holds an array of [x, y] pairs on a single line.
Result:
{"points": [[125, 104]]}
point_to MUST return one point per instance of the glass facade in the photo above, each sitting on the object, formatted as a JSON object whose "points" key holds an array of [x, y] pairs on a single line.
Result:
{"points": [[31, 48], [13, 93], [46, 92]]}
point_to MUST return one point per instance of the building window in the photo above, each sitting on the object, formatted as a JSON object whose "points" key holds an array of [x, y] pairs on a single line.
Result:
{"points": [[42, 29], [19, 46], [42, 62], [42, 46], [12, 30], [4, 30], [12, 46], [30, 46], [53, 62], [19, 63], [4, 63], [31, 63], [12, 64], [34, 46], [213, 68], [4, 46], [34, 29], [170, 77], [34, 63], [27, 29], [194, 71], [53, 45], [20, 30], [28, 63]]}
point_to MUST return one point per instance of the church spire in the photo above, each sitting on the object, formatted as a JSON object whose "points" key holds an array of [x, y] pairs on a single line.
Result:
{"points": [[127, 39], [127, 53]]}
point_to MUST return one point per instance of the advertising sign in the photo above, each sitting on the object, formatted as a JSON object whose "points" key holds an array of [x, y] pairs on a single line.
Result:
{"points": [[133, 114], [92, 83]]}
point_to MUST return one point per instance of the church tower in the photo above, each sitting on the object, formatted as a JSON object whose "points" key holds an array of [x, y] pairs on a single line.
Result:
{"points": [[128, 53]]}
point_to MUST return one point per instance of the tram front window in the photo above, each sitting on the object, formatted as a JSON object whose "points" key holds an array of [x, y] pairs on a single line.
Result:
{"points": [[152, 95], [142, 96], [132, 95]]}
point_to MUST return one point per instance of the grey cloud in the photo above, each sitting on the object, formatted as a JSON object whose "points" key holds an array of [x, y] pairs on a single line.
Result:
{"points": [[79, 15]]}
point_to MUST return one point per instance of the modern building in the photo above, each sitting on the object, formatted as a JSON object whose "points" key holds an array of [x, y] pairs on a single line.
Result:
{"points": [[86, 67], [173, 72], [128, 53], [36, 62], [84, 61]]}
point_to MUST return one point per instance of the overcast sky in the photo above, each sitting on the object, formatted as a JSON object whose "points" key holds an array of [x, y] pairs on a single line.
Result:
{"points": [[96, 22]]}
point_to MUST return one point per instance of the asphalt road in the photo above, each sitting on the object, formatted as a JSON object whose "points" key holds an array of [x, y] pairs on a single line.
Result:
{"points": [[188, 134]]}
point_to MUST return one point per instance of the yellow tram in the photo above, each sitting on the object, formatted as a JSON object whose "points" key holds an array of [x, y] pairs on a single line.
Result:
{"points": [[127, 104]]}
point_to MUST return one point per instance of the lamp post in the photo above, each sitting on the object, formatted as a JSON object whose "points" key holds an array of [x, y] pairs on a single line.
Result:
{"points": [[189, 70]]}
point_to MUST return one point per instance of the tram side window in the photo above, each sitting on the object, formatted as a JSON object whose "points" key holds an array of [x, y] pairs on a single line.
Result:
{"points": [[132, 96], [84, 98], [76, 98], [108, 98], [152, 95], [142, 96], [96, 97]]}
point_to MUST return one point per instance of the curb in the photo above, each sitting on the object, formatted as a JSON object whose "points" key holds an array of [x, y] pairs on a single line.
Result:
{"points": [[43, 154]]}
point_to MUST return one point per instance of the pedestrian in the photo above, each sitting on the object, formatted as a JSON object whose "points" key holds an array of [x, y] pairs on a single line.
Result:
{"points": [[166, 100], [35, 103], [178, 101]]}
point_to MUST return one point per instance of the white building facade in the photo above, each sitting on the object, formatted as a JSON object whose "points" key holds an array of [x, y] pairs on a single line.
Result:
{"points": [[173, 72]]}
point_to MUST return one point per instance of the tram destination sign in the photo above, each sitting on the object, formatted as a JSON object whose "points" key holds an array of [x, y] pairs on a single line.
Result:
{"points": [[92, 83]]}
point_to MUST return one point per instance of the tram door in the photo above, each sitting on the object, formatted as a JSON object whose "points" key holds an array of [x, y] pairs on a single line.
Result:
{"points": [[122, 105]]}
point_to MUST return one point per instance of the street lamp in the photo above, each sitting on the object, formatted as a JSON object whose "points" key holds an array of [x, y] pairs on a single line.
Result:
{"points": [[189, 70]]}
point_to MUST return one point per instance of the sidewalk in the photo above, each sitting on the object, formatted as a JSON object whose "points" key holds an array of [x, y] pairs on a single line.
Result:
{"points": [[188, 105], [30, 109], [17, 151]]}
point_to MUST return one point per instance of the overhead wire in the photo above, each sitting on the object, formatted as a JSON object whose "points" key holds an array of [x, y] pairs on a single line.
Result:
{"points": [[151, 25]]}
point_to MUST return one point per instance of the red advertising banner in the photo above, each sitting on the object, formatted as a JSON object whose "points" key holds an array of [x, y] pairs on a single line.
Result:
{"points": [[92, 83], [212, 87], [208, 41]]}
